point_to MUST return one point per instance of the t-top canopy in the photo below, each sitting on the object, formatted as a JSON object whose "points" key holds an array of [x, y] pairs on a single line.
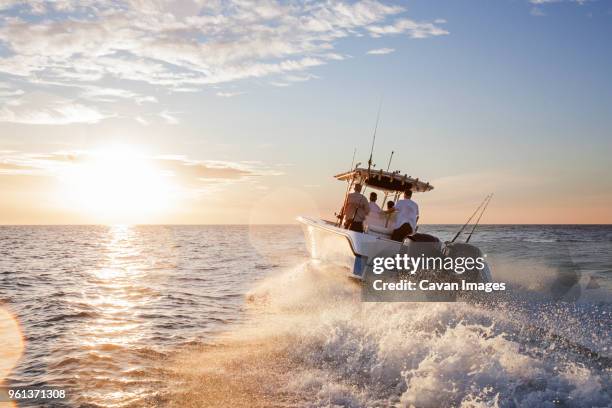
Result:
{"points": [[384, 180]]}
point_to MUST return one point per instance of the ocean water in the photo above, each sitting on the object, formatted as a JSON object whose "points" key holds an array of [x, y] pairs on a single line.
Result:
{"points": [[198, 316]]}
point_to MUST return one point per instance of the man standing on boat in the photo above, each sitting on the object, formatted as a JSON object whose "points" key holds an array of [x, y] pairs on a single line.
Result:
{"points": [[356, 210], [374, 208], [407, 216], [373, 217]]}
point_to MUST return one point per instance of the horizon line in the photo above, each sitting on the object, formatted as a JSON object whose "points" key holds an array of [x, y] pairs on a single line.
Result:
{"points": [[284, 224]]}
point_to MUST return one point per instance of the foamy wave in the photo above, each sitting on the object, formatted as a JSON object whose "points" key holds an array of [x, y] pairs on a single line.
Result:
{"points": [[309, 337]]}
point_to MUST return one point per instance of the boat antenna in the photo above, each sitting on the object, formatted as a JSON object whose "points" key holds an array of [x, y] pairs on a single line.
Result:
{"points": [[388, 167], [469, 219], [353, 161], [390, 158], [479, 217], [374, 136]]}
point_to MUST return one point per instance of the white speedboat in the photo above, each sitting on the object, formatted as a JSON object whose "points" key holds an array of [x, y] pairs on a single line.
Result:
{"points": [[329, 242]]}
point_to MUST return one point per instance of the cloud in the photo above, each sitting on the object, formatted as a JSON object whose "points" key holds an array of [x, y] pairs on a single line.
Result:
{"points": [[414, 29], [381, 51], [539, 5], [197, 174], [545, 2], [279, 84], [288, 80], [141, 120], [35, 164], [228, 94], [102, 94], [189, 174], [169, 118], [45, 109], [8, 92], [15, 169], [300, 78], [540, 2], [186, 45]]}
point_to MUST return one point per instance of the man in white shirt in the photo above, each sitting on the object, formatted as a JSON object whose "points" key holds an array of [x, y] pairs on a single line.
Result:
{"points": [[407, 216], [373, 217], [374, 208]]}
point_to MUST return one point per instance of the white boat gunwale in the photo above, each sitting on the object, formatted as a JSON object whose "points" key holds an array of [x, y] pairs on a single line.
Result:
{"points": [[332, 227]]}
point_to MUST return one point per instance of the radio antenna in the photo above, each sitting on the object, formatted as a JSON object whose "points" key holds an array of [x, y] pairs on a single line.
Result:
{"points": [[390, 158], [386, 192], [374, 136]]}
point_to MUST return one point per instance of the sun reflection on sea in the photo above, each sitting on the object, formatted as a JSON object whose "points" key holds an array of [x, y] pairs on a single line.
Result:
{"points": [[117, 294]]}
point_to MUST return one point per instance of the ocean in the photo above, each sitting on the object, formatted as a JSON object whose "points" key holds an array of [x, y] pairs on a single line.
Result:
{"points": [[228, 316]]}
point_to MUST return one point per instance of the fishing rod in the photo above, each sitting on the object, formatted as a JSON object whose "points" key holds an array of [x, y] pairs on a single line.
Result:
{"points": [[479, 217], [469, 219]]}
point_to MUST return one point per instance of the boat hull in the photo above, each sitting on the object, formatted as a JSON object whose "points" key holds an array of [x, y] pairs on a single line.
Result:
{"points": [[355, 251], [348, 249]]}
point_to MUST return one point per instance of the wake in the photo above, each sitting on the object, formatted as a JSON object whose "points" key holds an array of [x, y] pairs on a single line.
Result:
{"points": [[308, 340]]}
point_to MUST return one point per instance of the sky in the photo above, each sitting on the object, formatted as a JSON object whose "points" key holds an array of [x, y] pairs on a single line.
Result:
{"points": [[235, 111]]}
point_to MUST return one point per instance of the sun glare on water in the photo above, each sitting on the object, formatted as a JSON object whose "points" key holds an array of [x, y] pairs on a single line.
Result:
{"points": [[117, 185]]}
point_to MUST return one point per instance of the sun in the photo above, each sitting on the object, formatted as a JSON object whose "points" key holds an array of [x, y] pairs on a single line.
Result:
{"points": [[117, 184]]}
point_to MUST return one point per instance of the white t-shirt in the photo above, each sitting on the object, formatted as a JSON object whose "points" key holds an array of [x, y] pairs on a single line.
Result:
{"points": [[374, 209], [373, 217], [407, 212]]}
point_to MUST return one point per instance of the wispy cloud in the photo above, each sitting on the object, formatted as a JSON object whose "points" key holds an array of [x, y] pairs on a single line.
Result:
{"points": [[279, 84], [45, 109], [141, 120], [8, 92], [300, 78], [98, 93], [228, 94], [181, 45], [381, 51], [413, 29], [191, 175], [81, 61], [540, 2], [539, 5], [169, 118]]}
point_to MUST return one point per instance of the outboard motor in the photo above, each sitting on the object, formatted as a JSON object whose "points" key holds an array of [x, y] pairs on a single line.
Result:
{"points": [[462, 250]]}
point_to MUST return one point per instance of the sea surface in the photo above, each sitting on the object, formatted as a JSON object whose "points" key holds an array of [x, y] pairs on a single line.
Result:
{"points": [[228, 316]]}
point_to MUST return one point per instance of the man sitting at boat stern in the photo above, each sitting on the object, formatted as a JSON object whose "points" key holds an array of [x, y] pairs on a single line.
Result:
{"points": [[407, 213], [355, 210]]}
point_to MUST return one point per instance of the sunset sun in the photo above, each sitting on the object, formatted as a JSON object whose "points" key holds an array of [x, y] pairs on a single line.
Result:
{"points": [[116, 184]]}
